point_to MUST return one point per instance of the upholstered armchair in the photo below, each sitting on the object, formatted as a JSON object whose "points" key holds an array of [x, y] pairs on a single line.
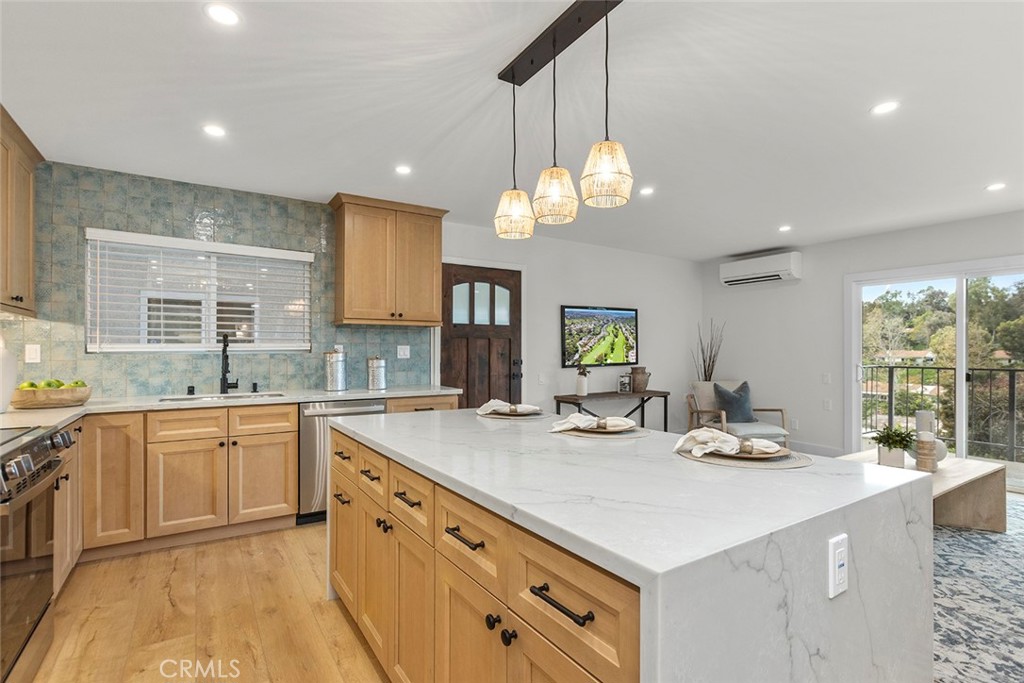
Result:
{"points": [[703, 410]]}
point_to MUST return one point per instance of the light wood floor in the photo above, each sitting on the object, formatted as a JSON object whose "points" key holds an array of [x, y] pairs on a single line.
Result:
{"points": [[259, 600]]}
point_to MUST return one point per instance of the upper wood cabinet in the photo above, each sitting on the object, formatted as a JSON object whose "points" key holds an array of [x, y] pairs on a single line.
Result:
{"points": [[388, 262], [18, 161]]}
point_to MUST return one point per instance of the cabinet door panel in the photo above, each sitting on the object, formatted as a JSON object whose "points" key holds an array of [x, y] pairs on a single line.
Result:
{"points": [[113, 479], [344, 544], [62, 534], [186, 486], [412, 632], [465, 649], [366, 248], [418, 267], [18, 229], [373, 592], [263, 475], [532, 659]]}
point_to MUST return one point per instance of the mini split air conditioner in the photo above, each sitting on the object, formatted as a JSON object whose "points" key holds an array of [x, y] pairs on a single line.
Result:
{"points": [[761, 269]]}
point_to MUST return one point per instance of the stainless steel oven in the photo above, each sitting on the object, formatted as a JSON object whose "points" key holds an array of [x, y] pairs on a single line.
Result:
{"points": [[29, 472]]}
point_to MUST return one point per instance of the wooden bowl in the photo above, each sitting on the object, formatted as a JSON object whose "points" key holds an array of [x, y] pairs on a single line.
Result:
{"points": [[50, 398]]}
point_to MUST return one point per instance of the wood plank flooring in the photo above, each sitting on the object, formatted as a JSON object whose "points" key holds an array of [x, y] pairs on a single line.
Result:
{"points": [[248, 610]]}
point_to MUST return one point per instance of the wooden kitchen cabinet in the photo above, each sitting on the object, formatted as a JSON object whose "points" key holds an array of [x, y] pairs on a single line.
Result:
{"points": [[263, 475], [344, 542], [415, 404], [389, 255], [411, 646], [532, 659], [67, 512], [186, 486], [113, 479], [374, 604], [18, 161], [466, 648]]}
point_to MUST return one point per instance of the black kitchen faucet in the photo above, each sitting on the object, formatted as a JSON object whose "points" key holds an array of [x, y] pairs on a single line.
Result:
{"points": [[225, 368]]}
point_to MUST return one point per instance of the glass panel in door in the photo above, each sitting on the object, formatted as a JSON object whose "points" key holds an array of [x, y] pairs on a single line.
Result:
{"points": [[908, 356], [995, 361]]}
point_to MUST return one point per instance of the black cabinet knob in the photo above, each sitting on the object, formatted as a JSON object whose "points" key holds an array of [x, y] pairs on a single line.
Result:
{"points": [[221, 444], [401, 315], [392, 315], [492, 620], [234, 443], [508, 636]]}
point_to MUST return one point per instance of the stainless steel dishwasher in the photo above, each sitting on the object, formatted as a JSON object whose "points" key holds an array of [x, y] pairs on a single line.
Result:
{"points": [[314, 451]]}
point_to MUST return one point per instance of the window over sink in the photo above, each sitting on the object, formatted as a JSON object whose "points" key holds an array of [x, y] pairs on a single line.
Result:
{"points": [[147, 293]]}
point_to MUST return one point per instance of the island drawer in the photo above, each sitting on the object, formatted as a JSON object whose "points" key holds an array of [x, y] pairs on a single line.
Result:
{"points": [[422, 403], [182, 425], [372, 475], [344, 454], [412, 500], [591, 615], [475, 540], [281, 417]]}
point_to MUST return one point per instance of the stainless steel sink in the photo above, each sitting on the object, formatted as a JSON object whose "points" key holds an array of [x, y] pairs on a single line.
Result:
{"points": [[220, 397]]}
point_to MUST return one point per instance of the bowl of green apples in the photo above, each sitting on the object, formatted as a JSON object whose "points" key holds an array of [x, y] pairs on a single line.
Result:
{"points": [[50, 393]]}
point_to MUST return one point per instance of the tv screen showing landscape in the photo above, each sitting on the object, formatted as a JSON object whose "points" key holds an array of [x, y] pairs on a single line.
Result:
{"points": [[598, 336]]}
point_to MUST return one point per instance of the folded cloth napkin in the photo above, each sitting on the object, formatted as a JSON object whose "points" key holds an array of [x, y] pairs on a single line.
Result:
{"points": [[501, 407], [708, 440], [581, 421]]}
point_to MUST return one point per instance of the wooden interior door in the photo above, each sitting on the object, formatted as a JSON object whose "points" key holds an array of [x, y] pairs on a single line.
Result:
{"points": [[480, 334]]}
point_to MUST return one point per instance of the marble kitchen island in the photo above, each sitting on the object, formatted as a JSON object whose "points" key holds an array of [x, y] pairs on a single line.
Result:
{"points": [[731, 564]]}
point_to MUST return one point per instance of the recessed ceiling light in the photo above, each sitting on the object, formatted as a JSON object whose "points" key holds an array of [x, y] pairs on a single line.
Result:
{"points": [[885, 108], [785, 228], [995, 187], [214, 131], [646, 190], [222, 14], [403, 170]]}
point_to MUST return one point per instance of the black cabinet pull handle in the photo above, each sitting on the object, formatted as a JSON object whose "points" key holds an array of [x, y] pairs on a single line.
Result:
{"points": [[454, 531], [419, 409], [222, 444], [17, 297], [508, 636], [492, 620], [341, 454], [383, 525], [78, 429], [400, 495], [541, 592], [369, 475], [342, 499]]}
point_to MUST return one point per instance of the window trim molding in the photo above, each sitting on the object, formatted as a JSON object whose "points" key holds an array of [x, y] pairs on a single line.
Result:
{"points": [[142, 239]]}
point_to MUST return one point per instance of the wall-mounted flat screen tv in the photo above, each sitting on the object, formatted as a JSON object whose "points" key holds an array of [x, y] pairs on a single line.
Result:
{"points": [[594, 335]]}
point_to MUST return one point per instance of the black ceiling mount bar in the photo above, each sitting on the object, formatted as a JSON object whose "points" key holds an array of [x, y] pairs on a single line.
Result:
{"points": [[573, 23]]}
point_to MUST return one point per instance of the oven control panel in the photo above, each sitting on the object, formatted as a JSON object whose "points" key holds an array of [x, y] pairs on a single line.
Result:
{"points": [[19, 469]]}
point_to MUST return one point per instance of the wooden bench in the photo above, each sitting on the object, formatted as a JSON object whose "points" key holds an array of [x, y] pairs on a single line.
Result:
{"points": [[965, 493]]}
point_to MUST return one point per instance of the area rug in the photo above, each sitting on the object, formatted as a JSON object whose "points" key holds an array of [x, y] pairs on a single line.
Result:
{"points": [[979, 602]]}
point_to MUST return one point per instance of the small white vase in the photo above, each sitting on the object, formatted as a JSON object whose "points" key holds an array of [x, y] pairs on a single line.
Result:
{"points": [[581, 385], [893, 457]]}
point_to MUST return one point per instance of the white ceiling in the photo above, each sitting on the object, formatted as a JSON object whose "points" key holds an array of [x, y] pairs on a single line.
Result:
{"points": [[742, 117]]}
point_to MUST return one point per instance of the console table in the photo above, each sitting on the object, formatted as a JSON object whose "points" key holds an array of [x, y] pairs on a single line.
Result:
{"points": [[965, 493], [641, 397]]}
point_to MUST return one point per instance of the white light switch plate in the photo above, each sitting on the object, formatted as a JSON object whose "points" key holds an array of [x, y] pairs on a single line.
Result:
{"points": [[33, 354], [838, 565], [403, 351]]}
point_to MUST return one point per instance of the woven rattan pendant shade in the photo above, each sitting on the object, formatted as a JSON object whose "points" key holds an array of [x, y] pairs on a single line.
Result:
{"points": [[514, 218], [607, 180], [555, 202]]}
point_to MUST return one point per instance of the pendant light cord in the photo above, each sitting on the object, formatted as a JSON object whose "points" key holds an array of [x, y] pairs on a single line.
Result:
{"points": [[514, 145], [606, 70], [554, 102]]}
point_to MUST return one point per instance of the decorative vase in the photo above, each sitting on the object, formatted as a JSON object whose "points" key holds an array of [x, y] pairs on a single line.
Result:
{"points": [[640, 378], [893, 457], [581, 385]]}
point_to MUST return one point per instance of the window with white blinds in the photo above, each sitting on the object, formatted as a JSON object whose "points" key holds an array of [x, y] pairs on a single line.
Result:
{"points": [[152, 293]]}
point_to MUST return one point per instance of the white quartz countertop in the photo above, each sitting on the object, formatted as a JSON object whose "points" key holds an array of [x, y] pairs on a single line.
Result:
{"points": [[632, 506], [58, 417]]}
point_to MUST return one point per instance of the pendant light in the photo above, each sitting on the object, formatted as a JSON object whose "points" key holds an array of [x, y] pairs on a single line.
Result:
{"points": [[607, 180], [514, 218], [555, 201]]}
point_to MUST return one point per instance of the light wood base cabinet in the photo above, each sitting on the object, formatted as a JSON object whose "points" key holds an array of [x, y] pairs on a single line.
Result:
{"points": [[344, 551], [467, 647], [373, 592], [187, 486], [263, 472], [67, 513], [411, 650], [113, 479]]}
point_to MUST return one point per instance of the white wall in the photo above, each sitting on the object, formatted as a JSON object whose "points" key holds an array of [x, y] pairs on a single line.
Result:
{"points": [[665, 291], [783, 336]]}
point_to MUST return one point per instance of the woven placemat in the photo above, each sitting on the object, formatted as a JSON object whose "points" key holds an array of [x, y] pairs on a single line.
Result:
{"points": [[527, 416], [783, 462], [637, 433]]}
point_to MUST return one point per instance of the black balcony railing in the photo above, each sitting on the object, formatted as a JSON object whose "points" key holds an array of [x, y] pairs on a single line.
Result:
{"points": [[891, 394]]}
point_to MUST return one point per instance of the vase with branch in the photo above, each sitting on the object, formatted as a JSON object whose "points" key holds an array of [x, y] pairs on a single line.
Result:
{"points": [[581, 379], [707, 350]]}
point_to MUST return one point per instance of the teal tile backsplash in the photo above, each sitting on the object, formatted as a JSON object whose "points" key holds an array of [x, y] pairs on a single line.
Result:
{"points": [[70, 199]]}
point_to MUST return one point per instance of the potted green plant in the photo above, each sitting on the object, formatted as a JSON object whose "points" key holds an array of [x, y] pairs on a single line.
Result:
{"points": [[581, 379], [893, 442]]}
